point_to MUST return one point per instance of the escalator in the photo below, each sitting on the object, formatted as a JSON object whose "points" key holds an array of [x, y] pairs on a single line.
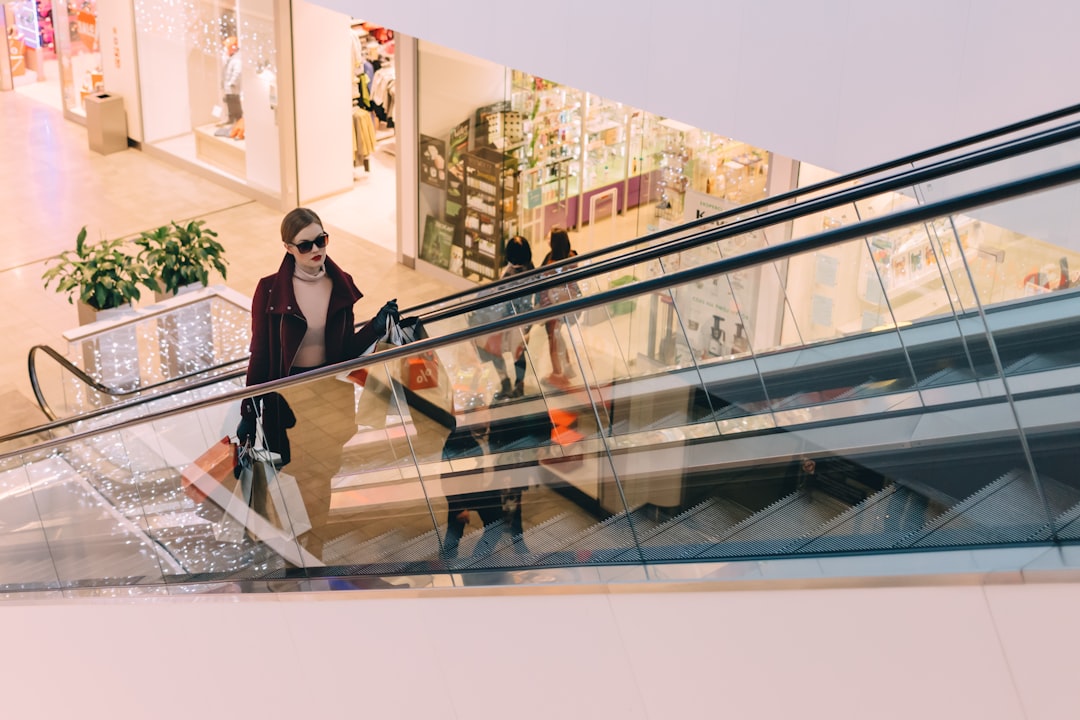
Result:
{"points": [[194, 338], [92, 378], [937, 416]]}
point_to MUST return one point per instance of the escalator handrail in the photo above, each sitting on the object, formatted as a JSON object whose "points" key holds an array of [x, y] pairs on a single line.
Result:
{"points": [[918, 214], [550, 275], [792, 195], [99, 387], [560, 274], [61, 423], [708, 235]]}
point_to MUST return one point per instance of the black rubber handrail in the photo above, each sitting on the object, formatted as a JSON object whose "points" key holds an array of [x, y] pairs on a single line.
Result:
{"points": [[920, 214], [101, 388], [498, 292], [496, 295], [519, 285], [63, 423], [788, 196], [492, 292]]}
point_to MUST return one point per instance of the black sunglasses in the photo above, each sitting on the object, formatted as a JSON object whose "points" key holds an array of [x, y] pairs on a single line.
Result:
{"points": [[319, 241]]}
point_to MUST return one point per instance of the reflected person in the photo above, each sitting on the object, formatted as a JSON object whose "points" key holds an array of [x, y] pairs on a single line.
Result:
{"points": [[498, 504]]}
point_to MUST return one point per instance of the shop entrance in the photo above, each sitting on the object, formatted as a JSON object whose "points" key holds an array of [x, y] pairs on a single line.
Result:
{"points": [[369, 209], [32, 68]]}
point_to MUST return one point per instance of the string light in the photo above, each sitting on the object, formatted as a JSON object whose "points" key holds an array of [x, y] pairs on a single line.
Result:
{"points": [[202, 27]]}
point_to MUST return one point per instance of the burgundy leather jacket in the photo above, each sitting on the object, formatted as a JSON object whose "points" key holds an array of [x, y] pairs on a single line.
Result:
{"points": [[278, 327]]}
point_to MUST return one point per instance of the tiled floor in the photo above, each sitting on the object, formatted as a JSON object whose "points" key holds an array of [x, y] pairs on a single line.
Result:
{"points": [[51, 184]]}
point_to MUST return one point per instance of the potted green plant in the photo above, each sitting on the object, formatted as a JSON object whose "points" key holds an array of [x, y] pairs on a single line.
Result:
{"points": [[101, 276], [181, 255]]}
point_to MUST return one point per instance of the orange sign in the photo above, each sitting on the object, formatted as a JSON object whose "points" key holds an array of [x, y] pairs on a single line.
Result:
{"points": [[87, 24]]}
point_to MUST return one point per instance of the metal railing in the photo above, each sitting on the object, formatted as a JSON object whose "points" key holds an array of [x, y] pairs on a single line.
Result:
{"points": [[903, 218], [544, 278]]}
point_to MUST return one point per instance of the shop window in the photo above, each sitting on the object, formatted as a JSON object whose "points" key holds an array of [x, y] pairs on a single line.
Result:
{"points": [[209, 85], [569, 158]]}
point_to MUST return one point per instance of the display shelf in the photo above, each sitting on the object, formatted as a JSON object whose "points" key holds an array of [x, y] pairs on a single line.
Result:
{"points": [[491, 198], [605, 144], [577, 145], [549, 157], [26, 26], [551, 123], [222, 152], [909, 262]]}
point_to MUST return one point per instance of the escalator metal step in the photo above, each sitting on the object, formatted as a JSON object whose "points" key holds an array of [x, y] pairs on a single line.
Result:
{"points": [[877, 523], [515, 551], [1007, 510], [420, 548], [946, 376], [599, 542], [693, 530], [1067, 524], [770, 530], [347, 549]]}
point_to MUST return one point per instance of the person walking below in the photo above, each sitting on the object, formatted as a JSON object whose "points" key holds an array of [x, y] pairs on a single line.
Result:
{"points": [[560, 358], [492, 348]]}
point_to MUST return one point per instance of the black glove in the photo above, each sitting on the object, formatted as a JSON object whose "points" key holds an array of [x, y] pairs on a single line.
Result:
{"points": [[387, 315], [245, 431]]}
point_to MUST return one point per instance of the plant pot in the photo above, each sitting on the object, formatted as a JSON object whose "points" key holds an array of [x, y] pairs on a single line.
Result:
{"points": [[89, 315]]}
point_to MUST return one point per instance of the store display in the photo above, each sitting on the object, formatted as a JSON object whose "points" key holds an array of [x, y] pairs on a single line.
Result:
{"points": [[432, 161], [77, 49], [549, 152], [605, 142], [455, 168], [491, 123], [26, 25], [902, 262], [491, 190], [45, 26], [420, 372], [16, 54], [437, 242], [549, 155]]}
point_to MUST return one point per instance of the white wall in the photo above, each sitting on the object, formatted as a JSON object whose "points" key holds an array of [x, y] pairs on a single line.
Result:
{"points": [[163, 64], [322, 48], [262, 154], [966, 650], [839, 83], [116, 38]]}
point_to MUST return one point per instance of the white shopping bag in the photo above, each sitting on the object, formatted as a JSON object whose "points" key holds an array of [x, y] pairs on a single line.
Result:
{"points": [[248, 498], [292, 517], [234, 523]]}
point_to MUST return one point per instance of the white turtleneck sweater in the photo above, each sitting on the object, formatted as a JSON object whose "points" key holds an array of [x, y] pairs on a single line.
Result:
{"points": [[313, 296]]}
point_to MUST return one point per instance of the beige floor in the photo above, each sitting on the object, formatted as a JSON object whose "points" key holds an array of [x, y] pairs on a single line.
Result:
{"points": [[51, 184]]}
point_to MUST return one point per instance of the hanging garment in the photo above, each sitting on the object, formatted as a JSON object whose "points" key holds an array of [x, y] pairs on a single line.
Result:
{"points": [[363, 136], [380, 86], [363, 86]]}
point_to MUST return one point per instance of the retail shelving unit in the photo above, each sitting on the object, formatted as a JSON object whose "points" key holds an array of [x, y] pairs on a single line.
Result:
{"points": [[491, 193]]}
